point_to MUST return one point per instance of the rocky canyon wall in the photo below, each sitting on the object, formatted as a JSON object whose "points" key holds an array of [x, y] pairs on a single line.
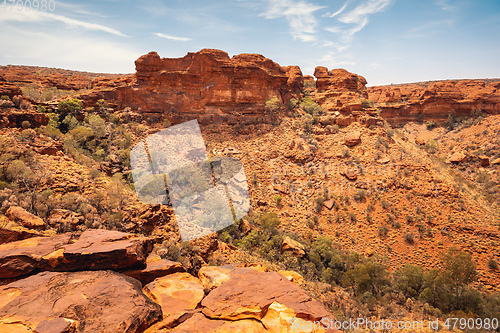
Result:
{"points": [[435, 101], [208, 85]]}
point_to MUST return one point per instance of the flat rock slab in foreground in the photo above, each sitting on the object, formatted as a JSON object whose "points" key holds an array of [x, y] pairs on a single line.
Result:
{"points": [[100, 301], [95, 249], [155, 267], [237, 298]]}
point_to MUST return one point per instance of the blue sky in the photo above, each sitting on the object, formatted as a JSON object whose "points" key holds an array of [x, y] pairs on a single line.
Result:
{"points": [[386, 41]]}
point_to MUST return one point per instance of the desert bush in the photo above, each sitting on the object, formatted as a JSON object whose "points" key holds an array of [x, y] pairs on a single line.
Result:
{"points": [[97, 124], [272, 104], [409, 280], [319, 204], [366, 103], [81, 134], [310, 106], [70, 106], [409, 237], [430, 124], [431, 147], [360, 195], [493, 264], [382, 231], [367, 277], [70, 121]]}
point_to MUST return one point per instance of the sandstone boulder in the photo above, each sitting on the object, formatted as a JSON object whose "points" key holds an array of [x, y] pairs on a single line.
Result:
{"points": [[352, 138], [21, 216], [293, 277], [102, 249], [176, 292], [100, 301], [155, 267], [201, 324], [292, 246], [95, 249], [484, 160], [12, 232], [23, 257], [234, 300], [457, 157], [329, 204]]}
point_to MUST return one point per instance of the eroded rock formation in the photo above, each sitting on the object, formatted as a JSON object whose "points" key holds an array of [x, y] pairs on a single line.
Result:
{"points": [[208, 85], [435, 101]]}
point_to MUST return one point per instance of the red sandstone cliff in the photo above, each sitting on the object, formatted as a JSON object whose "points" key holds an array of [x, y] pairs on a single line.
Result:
{"points": [[435, 101], [339, 90], [208, 85]]}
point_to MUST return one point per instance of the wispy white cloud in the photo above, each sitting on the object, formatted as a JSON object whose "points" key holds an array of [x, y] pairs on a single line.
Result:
{"points": [[359, 15], [350, 22], [338, 11], [430, 28], [299, 14], [40, 16], [66, 50], [181, 39]]}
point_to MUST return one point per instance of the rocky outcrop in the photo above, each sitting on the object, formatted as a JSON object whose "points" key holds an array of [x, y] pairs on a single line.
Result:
{"points": [[241, 297], [95, 249], [26, 219], [339, 90], [155, 267], [208, 85], [100, 301], [435, 101], [174, 292], [292, 246], [9, 89], [233, 300]]}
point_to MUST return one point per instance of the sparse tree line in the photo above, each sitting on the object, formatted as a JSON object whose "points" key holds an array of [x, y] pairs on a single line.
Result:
{"points": [[441, 291]]}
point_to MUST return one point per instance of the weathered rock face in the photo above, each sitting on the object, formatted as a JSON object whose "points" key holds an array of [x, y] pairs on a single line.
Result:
{"points": [[234, 300], [339, 90], [95, 249], [175, 292], [437, 100], [26, 219], [292, 246], [9, 89], [208, 85], [155, 267], [101, 301]]}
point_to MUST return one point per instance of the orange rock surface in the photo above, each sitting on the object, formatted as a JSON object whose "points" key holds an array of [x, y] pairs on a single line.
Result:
{"points": [[435, 101]]}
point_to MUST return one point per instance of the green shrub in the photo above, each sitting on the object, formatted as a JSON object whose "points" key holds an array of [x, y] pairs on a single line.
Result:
{"points": [[492, 264], [409, 280], [272, 104], [70, 121], [293, 103], [430, 124], [97, 124], [367, 277], [366, 103], [310, 106], [70, 106], [81, 134]]}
